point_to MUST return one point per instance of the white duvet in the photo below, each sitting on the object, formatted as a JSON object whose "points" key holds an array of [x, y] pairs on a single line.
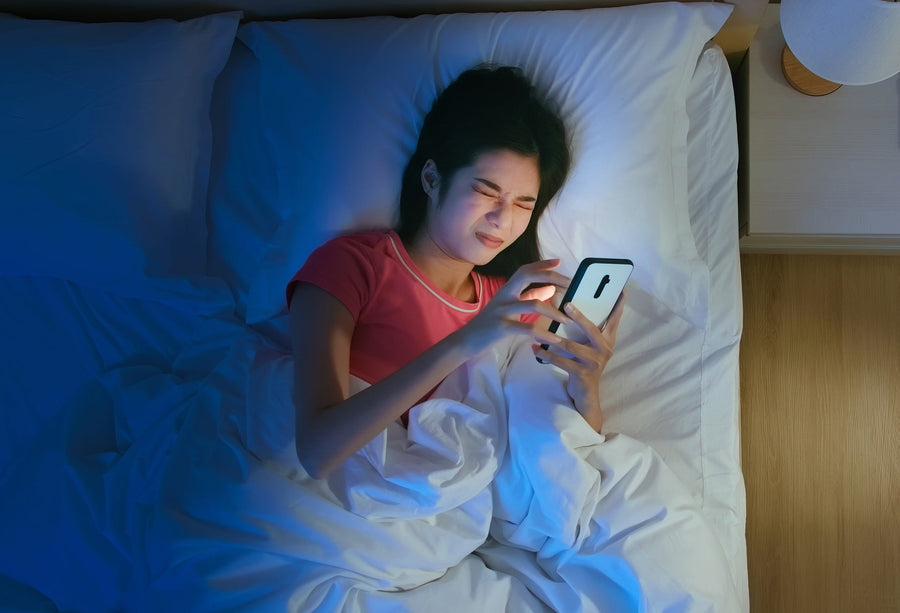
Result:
{"points": [[498, 497]]}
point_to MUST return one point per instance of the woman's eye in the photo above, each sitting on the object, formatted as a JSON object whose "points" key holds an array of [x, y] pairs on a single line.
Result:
{"points": [[528, 206]]}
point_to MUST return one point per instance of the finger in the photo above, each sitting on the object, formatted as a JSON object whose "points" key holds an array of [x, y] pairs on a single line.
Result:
{"points": [[540, 265], [525, 307], [548, 263], [590, 329], [519, 328], [520, 281], [538, 273], [580, 353], [542, 293], [511, 322], [551, 357], [580, 318], [611, 326]]}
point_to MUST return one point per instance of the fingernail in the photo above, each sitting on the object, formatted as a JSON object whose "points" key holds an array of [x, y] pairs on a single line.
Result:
{"points": [[570, 308]]}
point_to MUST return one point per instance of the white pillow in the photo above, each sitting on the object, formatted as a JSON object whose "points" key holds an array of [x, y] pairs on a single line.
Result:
{"points": [[105, 148], [340, 103]]}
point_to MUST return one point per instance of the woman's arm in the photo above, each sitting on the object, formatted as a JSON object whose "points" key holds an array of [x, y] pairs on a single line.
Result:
{"points": [[330, 424]]}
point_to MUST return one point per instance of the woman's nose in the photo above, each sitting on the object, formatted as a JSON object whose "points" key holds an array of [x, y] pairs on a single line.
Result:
{"points": [[501, 215]]}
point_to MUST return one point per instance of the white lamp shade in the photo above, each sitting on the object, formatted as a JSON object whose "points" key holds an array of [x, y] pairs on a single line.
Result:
{"points": [[855, 42]]}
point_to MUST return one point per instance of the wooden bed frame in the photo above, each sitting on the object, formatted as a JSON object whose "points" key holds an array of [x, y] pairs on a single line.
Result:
{"points": [[734, 38]]}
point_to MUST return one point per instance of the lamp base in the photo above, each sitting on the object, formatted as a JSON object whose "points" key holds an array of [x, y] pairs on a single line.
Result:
{"points": [[802, 79]]}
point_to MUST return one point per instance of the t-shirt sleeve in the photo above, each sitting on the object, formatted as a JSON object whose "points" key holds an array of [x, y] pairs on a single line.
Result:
{"points": [[343, 268]]}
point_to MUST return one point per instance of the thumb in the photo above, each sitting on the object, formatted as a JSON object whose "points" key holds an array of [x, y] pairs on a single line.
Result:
{"points": [[543, 293]]}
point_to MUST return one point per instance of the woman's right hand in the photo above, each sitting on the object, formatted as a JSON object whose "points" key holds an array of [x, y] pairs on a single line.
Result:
{"points": [[501, 316]]}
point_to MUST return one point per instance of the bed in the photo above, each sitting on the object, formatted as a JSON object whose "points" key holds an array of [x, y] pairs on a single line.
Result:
{"points": [[162, 180]]}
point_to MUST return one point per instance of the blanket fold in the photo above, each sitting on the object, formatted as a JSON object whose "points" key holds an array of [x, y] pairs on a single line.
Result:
{"points": [[498, 496]]}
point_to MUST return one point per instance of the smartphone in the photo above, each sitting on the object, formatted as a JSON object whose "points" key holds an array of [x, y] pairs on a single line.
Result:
{"points": [[594, 290]]}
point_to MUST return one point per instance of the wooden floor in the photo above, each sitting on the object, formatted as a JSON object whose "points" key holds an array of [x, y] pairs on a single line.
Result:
{"points": [[820, 383]]}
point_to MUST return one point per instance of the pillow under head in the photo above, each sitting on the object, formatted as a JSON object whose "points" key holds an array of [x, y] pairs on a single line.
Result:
{"points": [[104, 158], [339, 104]]}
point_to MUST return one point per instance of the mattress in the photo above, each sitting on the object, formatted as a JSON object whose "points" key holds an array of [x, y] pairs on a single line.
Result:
{"points": [[692, 413], [95, 387]]}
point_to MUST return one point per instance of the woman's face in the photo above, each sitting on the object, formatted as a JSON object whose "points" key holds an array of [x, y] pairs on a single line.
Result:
{"points": [[486, 207]]}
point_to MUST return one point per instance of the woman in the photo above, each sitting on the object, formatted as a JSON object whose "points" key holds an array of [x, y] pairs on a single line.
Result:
{"points": [[399, 311]]}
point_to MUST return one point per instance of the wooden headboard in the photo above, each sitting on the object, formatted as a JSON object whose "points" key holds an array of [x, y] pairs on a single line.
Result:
{"points": [[734, 38]]}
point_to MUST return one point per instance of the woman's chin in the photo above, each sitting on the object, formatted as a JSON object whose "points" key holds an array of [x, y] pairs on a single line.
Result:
{"points": [[479, 255], [484, 258]]}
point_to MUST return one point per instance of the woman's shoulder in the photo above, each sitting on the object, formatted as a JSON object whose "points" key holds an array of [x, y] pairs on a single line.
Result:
{"points": [[345, 265], [364, 251], [367, 238], [369, 243]]}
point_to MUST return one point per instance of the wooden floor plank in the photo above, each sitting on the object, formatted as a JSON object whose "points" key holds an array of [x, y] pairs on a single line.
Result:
{"points": [[820, 383]]}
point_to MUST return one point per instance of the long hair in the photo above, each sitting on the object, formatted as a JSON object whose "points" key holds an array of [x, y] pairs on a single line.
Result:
{"points": [[486, 109]]}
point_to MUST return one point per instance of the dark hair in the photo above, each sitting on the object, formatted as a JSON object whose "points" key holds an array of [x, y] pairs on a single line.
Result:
{"points": [[487, 109]]}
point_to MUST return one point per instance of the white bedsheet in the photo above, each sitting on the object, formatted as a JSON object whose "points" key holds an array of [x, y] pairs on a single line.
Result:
{"points": [[171, 478], [576, 522], [105, 396]]}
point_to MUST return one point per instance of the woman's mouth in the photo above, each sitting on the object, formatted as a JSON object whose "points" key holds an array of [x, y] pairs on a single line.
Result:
{"points": [[491, 242]]}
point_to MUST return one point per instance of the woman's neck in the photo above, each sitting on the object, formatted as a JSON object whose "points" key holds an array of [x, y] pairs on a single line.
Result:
{"points": [[450, 275]]}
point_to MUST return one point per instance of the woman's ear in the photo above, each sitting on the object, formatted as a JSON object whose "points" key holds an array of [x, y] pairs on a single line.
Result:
{"points": [[431, 178]]}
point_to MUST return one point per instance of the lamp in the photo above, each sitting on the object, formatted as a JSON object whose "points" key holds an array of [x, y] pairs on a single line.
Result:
{"points": [[830, 42]]}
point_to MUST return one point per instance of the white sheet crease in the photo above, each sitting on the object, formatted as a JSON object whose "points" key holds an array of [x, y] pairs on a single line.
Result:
{"points": [[448, 515]]}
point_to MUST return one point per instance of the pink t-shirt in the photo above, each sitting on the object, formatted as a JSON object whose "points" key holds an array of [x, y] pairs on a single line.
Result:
{"points": [[399, 313]]}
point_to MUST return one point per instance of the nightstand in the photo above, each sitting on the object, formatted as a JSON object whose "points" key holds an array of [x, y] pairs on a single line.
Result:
{"points": [[818, 174]]}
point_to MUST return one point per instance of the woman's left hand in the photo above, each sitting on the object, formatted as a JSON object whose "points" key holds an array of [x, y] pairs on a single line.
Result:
{"points": [[588, 359]]}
